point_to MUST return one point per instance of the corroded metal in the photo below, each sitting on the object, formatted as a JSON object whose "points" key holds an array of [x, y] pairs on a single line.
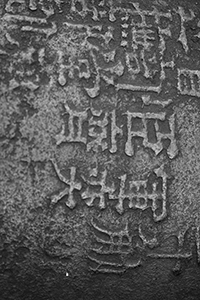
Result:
{"points": [[100, 143]]}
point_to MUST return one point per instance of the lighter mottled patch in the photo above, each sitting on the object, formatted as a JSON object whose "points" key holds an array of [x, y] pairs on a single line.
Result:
{"points": [[185, 189]]}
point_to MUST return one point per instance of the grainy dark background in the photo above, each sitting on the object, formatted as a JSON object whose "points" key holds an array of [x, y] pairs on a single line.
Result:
{"points": [[44, 244]]}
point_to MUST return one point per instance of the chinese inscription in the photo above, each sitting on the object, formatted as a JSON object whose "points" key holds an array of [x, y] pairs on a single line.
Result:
{"points": [[121, 52]]}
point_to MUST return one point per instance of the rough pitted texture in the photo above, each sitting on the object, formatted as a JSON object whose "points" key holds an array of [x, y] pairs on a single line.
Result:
{"points": [[100, 149]]}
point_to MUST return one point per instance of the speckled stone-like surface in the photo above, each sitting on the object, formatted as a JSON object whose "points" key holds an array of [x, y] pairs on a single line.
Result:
{"points": [[100, 149]]}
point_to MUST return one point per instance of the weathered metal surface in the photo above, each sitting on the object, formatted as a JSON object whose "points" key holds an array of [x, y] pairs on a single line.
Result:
{"points": [[100, 149]]}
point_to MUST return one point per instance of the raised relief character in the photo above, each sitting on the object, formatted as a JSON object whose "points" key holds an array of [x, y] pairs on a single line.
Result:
{"points": [[184, 17], [142, 131], [74, 126], [189, 82], [98, 123], [115, 131], [145, 45], [97, 188], [15, 6], [72, 185], [113, 250], [19, 6], [143, 194]]}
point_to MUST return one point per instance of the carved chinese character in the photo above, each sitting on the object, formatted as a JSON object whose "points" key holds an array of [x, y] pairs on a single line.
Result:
{"points": [[145, 44], [98, 123], [72, 185], [74, 126], [97, 188], [185, 243], [15, 6], [115, 252], [184, 18], [108, 73], [142, 131], [115, 131], [139, 195], [189, 82]]}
